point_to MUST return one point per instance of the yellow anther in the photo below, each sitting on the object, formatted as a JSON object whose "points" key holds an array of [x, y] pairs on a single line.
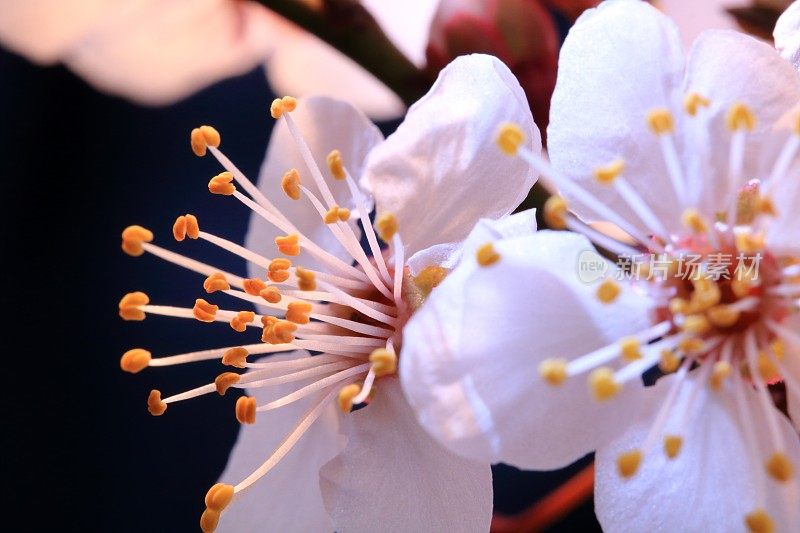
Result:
{"points": [[135, 360], [236, 357], [555, 212], [346, 395], [749, 243], [691, 345], [209, 521], [246, 410], [216, 282], [298, 312], [486, 255], [608, 291], [276, 108], [334, 215], [693, 220], [780, 467], [660, 121], [204, 311], [706, 295], [386, 226], [672, 445], [155, 406], [271, 294], [306, 280], [222, 184], [742, 287], [509, 138], [678, 306], [185, 226], [602, 384], [696, 324], [219, 496], [344, 214], [719, 373], [768, 371], [132, 239], [130, 303], [277, 331], [384, 362], [692, 102], [759, 522], [240, 321], [290, 183], [765, 206], [629, 349], [628, 463], [225, 381], [607, 174], [253, 286], [668, 362], [740, 117], [336, 165], [288, 245], [553, 371], [203, 137], [723, 316], [289, 103], [778, 348]]}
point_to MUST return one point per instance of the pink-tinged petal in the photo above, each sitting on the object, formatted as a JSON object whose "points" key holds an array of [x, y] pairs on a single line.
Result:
{"points": [[721, 67], [406, 23], [710, 485], [693, 18], [791, 362], [392, 476], [288, 498], [471, 354], [618, 62], [440, 172], [326, 125], [787, 35]]}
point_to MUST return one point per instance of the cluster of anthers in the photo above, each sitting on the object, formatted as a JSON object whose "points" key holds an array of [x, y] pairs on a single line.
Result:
{"points": [[725, 325], [350, 314]]}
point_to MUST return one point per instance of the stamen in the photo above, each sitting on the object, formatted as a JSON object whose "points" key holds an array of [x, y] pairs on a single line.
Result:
{"points": [[693, 101], [190, 264], [346, 396], [555, 212], [662, 124], [289, 244], [185, 226], [216, 282], [759, 521], [155, 406], [486, 255], [298, 312], [290, 183], [602, 384], [610, 352], [509, 138], [306, 280], [246, 410], [336, 165], [203, 137], [221, 184], [608, 291], [130, 306], [204, 311], [242, 318], [554, 371], [313, 387], [386, 226], [135, 360], [225, 381], [628, 463], [217, 499], [384, 362], [132, 239]]}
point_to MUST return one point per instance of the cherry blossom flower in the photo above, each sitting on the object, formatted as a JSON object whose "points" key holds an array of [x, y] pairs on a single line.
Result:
{"points": [[324, 467], [542, 355], [787, 34]]}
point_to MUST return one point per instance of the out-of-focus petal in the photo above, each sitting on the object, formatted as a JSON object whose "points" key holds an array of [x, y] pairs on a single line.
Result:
{"points": [[406, 23], [693, 17], [471, 353], [393, 477], [787, 34], [442, 162], [326, 125], [288, 497], [618, 62], [710, 484]]}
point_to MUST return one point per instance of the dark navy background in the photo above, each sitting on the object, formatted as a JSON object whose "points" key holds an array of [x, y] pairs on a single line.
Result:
{"points": [[77, 166]]}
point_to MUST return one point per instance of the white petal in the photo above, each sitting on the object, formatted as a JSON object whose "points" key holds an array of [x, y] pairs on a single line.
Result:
{"points": [[693, 17], [792, 364], [288, 498], [150, 51], [470, 358], [326, 125], [406, 23], [783, 230], [393, 477], [618, 62], [440, 171], [448, 255], [709, 486], [787, 34]]}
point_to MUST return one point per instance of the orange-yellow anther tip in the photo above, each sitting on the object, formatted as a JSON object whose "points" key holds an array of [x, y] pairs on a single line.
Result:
{"points": [[336, 214], [386, 225], [780, 467], [246, 410], [216, 282], [225, 381], [298, 312], [608, 291], [628, 463], [204, 311], [240, 321], [384, 362], [673, 445], [692, 102], [130, 303], [219, 496], [132, 239], [602, 384], [509, 138], [346, 395], [236, 357], [607, 174], [660, 121], [759, 522], [271, 294], [555, 212], [289, 244], [203, 137], [290, 183], [486, 255], [135, 360], [306, 280], [553, 371], [279, 106], [630, 349], [209, 521], [155, 405], [668, 361], [693, 220], [253, 286], [185, 226], [740, 117], [222, 183], [336, 165]]}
